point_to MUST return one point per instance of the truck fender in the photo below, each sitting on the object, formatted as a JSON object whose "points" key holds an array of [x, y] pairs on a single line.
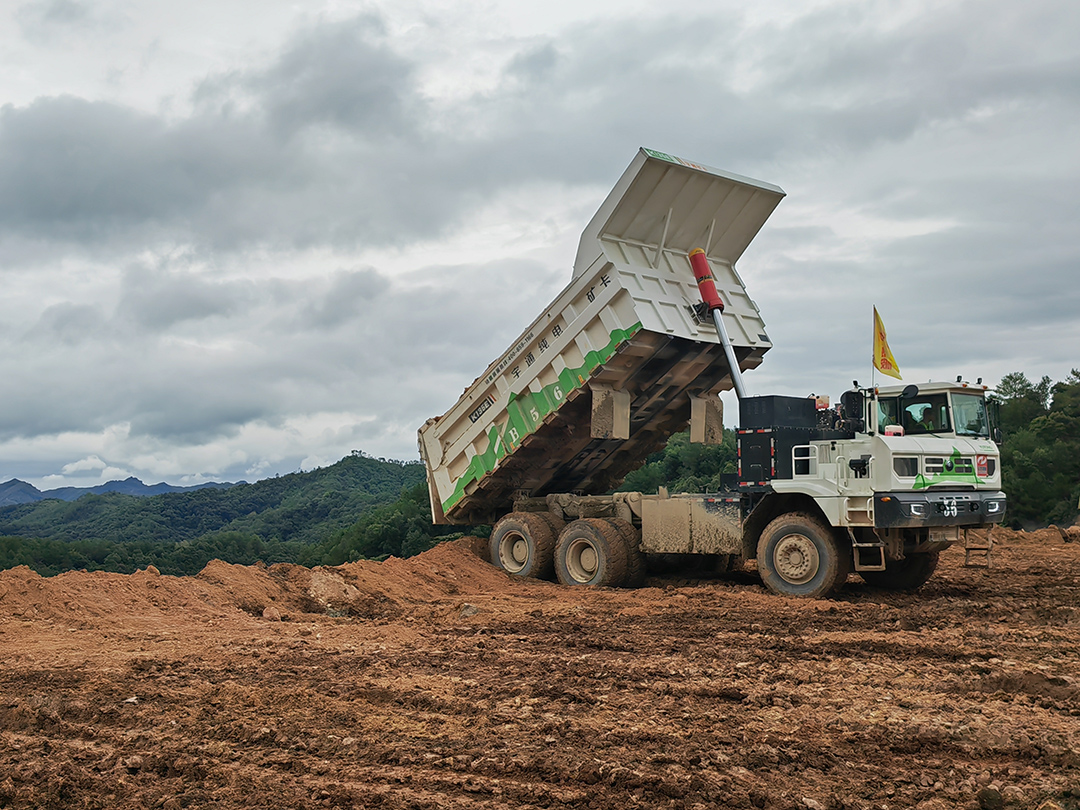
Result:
{"points": [[771, 507]]}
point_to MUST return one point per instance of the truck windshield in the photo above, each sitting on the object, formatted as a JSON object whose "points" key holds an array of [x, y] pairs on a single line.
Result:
{"points": [[925, 414], [969, 413]]}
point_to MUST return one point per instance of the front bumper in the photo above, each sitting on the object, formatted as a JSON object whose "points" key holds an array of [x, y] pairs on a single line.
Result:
{"points": [[938, 508]]}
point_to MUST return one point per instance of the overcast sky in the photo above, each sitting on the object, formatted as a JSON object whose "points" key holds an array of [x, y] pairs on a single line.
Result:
{"points": [[244, 238]]}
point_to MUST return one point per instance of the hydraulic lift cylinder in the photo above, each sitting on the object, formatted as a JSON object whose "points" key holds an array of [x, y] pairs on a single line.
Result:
{"points": [[707, 287]]}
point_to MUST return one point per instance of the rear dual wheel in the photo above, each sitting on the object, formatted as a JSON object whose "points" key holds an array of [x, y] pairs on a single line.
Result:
{"points": [[591, 551], [636, 565], [523, 544]]}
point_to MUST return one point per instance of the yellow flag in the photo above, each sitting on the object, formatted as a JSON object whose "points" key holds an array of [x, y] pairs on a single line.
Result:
{"points": [[883, 359]]}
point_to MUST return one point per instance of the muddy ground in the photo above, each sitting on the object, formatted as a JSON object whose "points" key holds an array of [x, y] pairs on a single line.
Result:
{"points": [[437, 682]]}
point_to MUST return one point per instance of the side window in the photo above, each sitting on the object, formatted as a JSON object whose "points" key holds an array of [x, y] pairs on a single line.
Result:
{"points": [[887, 413]]}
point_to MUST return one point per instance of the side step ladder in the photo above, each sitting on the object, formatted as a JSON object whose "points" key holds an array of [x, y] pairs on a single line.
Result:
{"points": [[867, 556], [977, 552]]}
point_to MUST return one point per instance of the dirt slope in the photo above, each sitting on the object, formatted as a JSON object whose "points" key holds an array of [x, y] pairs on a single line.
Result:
{"points": [[437, 682]]}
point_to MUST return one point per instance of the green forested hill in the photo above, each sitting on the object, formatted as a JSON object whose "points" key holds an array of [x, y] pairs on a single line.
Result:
{"points": [[288, 518], [303, 507]]}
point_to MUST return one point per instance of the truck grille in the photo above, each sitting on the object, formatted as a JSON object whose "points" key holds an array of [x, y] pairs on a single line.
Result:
{"points": [[937, 465]]}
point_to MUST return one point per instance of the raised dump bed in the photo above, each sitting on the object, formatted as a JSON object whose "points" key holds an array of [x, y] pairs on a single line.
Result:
{"points": [[620, 359]]}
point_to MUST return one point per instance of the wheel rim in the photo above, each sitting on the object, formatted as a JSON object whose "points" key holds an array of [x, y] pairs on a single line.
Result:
{"points": [[796, 559], [514, 552], [582, 560]]}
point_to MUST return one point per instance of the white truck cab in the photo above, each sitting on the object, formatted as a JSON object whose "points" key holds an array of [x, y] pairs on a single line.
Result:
{"points": [[901, 471]]}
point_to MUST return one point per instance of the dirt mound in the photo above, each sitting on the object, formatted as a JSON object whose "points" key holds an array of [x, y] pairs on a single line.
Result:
{"points": [[452, 571], [362, 589], [90, 597], [1052, 535]]}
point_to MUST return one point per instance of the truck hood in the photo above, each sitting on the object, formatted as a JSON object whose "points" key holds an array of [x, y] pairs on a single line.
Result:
{"points": [[939, 445]]}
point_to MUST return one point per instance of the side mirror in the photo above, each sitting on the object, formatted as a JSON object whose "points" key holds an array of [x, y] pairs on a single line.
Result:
{"points": [[851, 403], [909, 392], [860, 466], [998, 438], [851, 409]]}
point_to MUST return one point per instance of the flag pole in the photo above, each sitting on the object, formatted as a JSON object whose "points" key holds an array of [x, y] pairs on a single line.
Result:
{"points": [[873, 365]]}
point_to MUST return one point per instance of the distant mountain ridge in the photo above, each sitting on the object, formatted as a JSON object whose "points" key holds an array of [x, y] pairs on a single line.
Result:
{"points": [[15, 492], [305, 508], [359, 507]]}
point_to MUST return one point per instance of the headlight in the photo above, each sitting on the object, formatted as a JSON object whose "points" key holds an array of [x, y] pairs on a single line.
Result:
{"points": [[994, 507], [917, 509]]}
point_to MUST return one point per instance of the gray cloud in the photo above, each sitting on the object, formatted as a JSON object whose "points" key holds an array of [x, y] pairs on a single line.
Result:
{"points": [[347, 297], [44, 19], [333, 141], [156, 299], [68, 323], [343, 76], [80, 171]]}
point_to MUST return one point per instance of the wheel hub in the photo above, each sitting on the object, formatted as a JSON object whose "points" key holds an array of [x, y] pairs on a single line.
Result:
{"points": [[514, 552], [582, 561], [520, 551], [796, 559]]}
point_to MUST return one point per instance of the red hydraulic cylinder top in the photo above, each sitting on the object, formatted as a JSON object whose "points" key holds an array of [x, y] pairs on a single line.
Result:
{"points": [[705, 282]]}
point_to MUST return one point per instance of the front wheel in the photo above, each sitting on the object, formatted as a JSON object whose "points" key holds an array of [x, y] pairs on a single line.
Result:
{"points": [[797, 555], [908, 574]]}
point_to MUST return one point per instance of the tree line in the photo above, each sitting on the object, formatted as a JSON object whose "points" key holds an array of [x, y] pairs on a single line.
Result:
{"points": [[1040, 456]]}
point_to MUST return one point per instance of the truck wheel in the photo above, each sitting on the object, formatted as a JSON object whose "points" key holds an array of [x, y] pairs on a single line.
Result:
{"points": [[636, 565], [799, 556], [591, 552], [908, 574], [522, 544], [554, 521]]}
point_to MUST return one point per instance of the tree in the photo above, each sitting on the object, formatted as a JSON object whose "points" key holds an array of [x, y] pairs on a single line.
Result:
{"points": [[1040, 457], [1021, 401]]}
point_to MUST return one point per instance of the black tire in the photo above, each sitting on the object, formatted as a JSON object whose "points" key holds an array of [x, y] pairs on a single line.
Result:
{"points": [[721, 563], [636, 564], [846, 562], [591, 552], [908, 574], [797, 555], [523, 545], [555, 522]]}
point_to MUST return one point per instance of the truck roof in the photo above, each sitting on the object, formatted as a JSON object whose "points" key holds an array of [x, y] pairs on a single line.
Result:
{"points": [[934, 387]]}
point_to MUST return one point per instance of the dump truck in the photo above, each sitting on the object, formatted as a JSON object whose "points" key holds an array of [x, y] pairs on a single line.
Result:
{"points": [[654, 324]]}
